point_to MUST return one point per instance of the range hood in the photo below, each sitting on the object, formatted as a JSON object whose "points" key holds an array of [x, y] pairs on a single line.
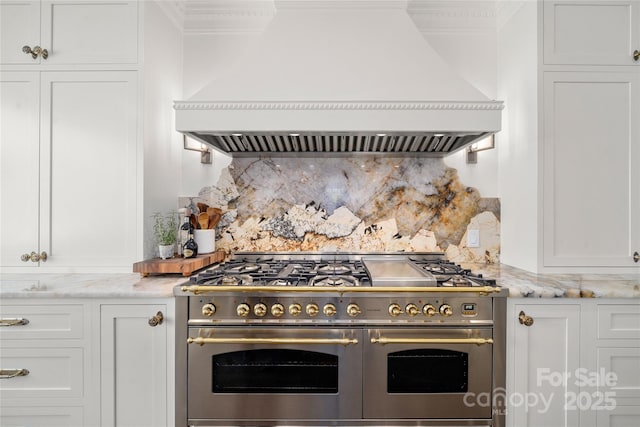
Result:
{"points": [[338, 77]]}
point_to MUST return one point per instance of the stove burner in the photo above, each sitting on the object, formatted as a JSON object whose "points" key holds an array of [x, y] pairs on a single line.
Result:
{"points": [[280, 282], [243, 268], [334, 281], [334, 269]]}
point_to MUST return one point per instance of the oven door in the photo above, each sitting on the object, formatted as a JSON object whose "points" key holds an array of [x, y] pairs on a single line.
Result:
{"points": [[427, 373], [238, 373]]}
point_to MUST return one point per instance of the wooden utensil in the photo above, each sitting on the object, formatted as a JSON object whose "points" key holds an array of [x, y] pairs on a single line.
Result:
{"points": [[203, 220], [202, 207], [215, 214], [193, 221]]}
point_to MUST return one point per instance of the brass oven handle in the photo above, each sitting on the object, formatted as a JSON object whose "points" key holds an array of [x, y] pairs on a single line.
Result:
{"points": [[14, 322], [331, 341], [12, 373], [385, 340]]}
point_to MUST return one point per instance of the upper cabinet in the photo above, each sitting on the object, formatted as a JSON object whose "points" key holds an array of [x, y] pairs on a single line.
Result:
{"points": [[64, 32], [591, 32]]}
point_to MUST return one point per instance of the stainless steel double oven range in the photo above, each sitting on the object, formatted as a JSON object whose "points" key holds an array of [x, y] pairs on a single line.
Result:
{"points": [[339, 339]]}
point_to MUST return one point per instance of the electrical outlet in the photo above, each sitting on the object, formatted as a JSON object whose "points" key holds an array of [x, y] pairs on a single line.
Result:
{"points": [[473, 238]]}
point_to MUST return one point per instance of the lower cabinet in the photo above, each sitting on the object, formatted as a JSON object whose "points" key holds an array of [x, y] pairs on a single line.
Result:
{"points": [[573, 364], [136, 365], [86, 362]]}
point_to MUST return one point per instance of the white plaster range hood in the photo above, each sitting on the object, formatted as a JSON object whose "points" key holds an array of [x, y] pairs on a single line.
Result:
{"points": [[339, 77]]}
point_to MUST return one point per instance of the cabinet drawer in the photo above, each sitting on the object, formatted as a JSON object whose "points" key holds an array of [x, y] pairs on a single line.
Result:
{"points": [[622, 416], [624, 363], [45, 322], [39, 416], [619, 321], [53, 372]]}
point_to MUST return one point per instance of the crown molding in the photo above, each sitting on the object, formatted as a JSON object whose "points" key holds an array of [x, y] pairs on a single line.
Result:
{"points": [[457, 16], [337, 105]]}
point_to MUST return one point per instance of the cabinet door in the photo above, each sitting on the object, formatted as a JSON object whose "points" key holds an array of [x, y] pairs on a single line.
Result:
{"points": [[539, 357], [19, 26], [591, 161], [88, 174], [591, 32], [90, 32], [133, 366], [19, 145]]}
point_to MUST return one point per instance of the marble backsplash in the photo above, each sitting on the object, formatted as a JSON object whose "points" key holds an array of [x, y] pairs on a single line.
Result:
{"points": [[366, 204]]}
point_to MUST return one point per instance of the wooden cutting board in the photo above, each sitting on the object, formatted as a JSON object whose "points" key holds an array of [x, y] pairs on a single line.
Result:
{"points": [[179, 265]]}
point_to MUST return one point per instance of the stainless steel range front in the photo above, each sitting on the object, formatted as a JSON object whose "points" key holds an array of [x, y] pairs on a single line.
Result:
{"points": [[337, 339]]}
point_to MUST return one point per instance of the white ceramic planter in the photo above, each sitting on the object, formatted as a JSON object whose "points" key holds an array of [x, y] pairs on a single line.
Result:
{"points": [[166, 251]]}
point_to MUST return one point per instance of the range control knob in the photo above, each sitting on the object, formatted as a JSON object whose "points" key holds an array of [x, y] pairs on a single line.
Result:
{"points": [[395, 310], [353, 310], [445, 310], [260, 309], [312, 309], [295, 309], [429, 310], [243, 310], [208, 310], [412, 309], [277, 310], [329, 310]]}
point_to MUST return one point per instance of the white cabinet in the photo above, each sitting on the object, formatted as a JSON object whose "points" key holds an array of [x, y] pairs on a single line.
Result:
{"points": [[591, 150], [136, 372], [103, 32], [69, 159], [46, 363], [538, 356], [577, 364], [591, 32]]}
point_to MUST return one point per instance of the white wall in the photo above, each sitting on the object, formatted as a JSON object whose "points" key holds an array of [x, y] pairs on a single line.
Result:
{"points": [[518, 141], [162, 83]]}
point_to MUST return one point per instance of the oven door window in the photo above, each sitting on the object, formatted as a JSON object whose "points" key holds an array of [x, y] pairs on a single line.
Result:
{"points": [[274, 371], [427, 371]]}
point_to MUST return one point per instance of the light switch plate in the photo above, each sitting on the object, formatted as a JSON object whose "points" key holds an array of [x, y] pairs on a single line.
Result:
{"points": [[473, 238]]}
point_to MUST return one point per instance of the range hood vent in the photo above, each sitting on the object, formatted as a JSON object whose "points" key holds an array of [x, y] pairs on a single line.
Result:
{"points": [[348, 76]]}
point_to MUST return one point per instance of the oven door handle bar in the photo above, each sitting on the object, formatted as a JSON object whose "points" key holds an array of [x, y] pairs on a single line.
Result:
{"points": [[198, 289], [305, 341], [477, 341]]}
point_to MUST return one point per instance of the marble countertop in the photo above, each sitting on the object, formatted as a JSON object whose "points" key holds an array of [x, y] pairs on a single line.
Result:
{"points": [[520, 283]]}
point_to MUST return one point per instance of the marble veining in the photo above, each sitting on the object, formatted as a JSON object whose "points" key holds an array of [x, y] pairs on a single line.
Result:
{"points": [[360, 203]]}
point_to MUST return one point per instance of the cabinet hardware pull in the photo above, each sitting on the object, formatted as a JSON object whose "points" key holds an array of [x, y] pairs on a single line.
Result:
{"points": [[37, 50], [330, 341], [157, 319], [636, 256], [524, 319], [636, 55], [34, 257], [477, 341], [14, 322], [12, 373]]}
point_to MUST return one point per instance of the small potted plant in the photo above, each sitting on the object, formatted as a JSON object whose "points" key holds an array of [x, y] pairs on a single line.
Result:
{"points": [[165, 229]]}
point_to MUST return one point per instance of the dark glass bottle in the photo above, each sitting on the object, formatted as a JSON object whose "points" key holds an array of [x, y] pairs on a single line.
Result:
{"points": [[190, 249]]}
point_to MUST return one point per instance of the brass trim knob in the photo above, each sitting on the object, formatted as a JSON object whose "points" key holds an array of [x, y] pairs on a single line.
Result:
{"points": [[37, 50], [260, 309], [445, 310], [412, 309], [329, 310], [156, 320], [353, 310], [395, 310], [277, 310], [34, 257], [636, 55], [429, 310], [636, 256], [295, 309], [243, 310], [524, 319], [208, 310], [312, 309]]}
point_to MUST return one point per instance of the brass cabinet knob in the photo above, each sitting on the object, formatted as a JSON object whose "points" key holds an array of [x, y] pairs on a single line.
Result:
{"points": [[34, 257], [636, 55], [524, 319], [37, 50], [636, 256], [157, 319]]}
